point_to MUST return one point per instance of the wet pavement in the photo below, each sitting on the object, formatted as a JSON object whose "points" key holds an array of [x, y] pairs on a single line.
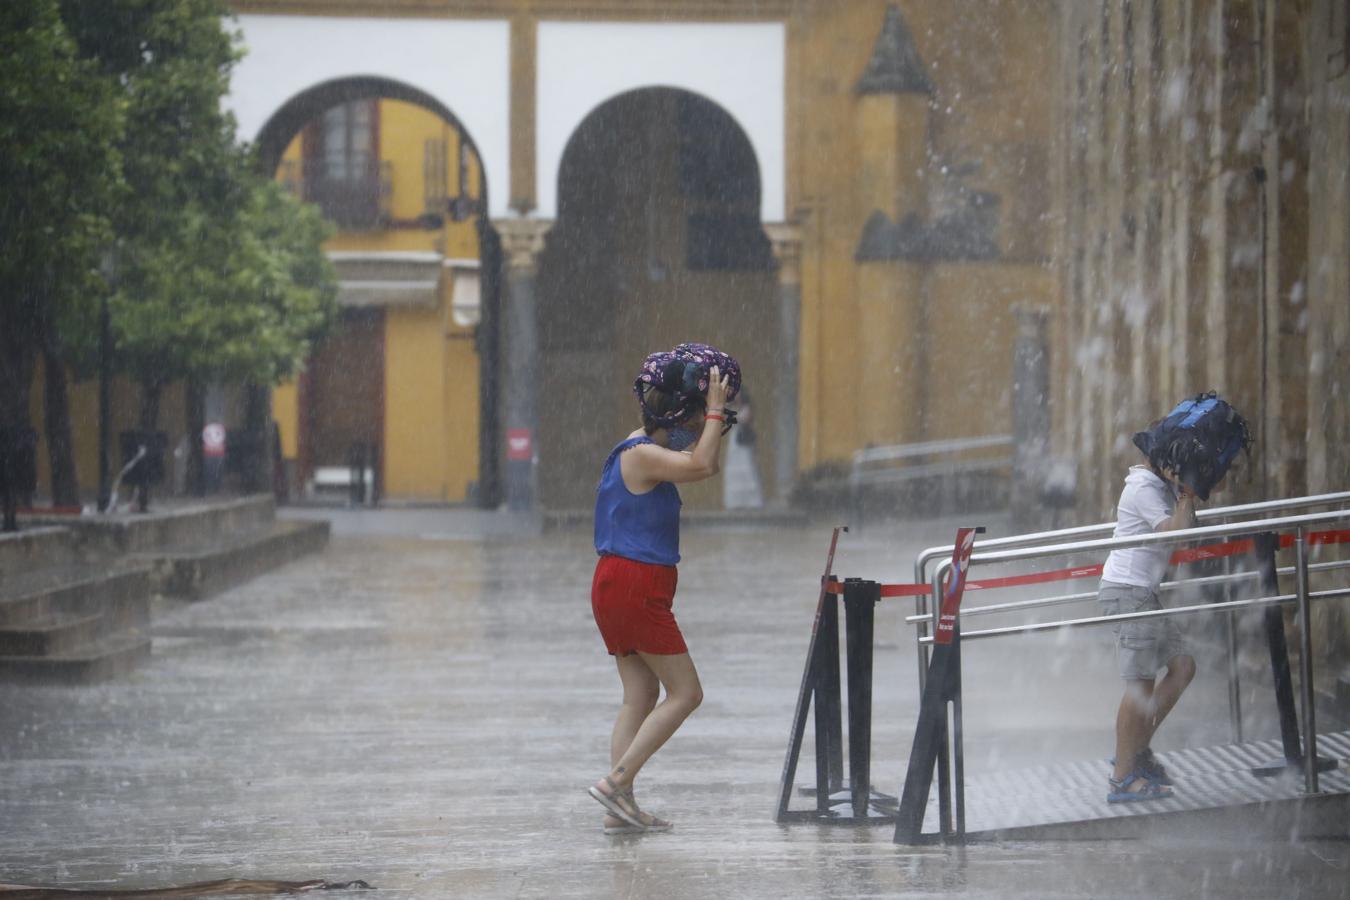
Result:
{"points": [[423, 705]]}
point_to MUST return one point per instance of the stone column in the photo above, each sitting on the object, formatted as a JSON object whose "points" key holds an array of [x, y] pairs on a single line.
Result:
{"points": [[787, 249], [522, 242], [1030, 416]]}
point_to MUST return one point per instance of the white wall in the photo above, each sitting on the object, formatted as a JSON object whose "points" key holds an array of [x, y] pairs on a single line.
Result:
{"points": [[464, 64], [738, 66]]}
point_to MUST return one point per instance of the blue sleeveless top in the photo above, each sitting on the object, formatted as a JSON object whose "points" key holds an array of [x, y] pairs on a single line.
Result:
{"points": [[641, 527]]}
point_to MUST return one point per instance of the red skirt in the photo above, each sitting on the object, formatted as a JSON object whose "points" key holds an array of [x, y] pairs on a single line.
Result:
{"points": [[632, 602]]}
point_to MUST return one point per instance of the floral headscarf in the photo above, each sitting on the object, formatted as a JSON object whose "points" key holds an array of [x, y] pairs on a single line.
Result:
{"points": [[684, 373]]}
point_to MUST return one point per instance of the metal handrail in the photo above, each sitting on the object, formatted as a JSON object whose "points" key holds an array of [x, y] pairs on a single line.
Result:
{"points": [[921, 605], [1303, 596], [1040, 537], [1064, 599], [1279, 599], [1220, 512], [1179, 536], [894, 452]]}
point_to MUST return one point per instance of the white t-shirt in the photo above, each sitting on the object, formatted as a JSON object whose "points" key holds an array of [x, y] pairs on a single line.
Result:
{"points": [[1145, 503]]}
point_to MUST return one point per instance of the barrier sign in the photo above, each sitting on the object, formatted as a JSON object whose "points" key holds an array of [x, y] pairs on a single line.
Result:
{"points": [[213, 440], [519, 444], [956, 583], [941, 688]]}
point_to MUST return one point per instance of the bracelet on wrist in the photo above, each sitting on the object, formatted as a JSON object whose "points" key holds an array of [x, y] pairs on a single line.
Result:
{"points": [[711, 418]]}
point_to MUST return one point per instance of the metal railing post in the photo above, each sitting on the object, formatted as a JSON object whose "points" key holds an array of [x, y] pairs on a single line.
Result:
{"points": [[958, 738], [1306, 664], [1234, 672], [944, 756], [920, 608]]}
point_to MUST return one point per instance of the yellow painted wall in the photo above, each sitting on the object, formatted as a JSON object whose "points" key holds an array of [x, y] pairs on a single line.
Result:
{"points": [[431, 411], [414, 439], [888, 363], [286, 413], [850, 155], [460, 410], [125, 410], [973, 327]]}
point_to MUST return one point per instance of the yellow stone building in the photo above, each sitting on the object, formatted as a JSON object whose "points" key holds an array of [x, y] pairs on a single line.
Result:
{"points": [[869, 203], [849, 197], [401, 372]]}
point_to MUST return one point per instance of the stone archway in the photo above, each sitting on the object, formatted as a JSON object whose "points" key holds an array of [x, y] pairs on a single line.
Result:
{"points": [[658, 240], [374, 285]]}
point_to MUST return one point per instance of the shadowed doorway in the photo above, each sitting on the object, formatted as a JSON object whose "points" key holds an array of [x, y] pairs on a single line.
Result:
{"points": [[658, 240]]}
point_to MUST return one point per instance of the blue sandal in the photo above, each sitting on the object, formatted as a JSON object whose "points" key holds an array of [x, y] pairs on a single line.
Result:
{"points": [[1146, 764], [1126, 791]]}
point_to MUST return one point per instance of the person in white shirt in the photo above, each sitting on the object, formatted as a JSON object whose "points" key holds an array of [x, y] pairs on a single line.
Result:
{"points": [[1150, 502], [1188, 453]]}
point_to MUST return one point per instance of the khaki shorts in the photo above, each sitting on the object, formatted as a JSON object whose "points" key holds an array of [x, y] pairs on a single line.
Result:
{"points": [[1143, 646]]}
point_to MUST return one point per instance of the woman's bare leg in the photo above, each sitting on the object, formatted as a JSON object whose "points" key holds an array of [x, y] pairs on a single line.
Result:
{"points": [[641, 690], [683, 695]]}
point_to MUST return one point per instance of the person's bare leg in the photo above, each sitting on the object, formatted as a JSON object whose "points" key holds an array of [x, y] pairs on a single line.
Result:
{"points": [[1180, 671], [683, 695], [1133, 724], [641, 690]]}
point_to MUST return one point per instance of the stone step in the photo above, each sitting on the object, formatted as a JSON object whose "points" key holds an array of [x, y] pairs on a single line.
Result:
{"points": [[172, 526], [195, 572], [53, 636], [36, 547], [106, 658], [121, 594]]}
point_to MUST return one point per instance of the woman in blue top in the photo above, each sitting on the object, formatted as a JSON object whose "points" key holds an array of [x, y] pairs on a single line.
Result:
{"points": [[683, 396]]}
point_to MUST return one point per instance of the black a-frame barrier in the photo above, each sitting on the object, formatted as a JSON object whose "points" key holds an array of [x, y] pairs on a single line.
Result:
{"points": [[837, 801], [853, 802]]}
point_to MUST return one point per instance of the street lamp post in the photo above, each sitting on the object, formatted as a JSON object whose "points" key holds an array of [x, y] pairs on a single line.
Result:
{"points": [[104, 384]]}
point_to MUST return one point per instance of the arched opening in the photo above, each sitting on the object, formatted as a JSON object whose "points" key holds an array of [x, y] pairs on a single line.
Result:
{"points": [[407, 379], [658, 240]]}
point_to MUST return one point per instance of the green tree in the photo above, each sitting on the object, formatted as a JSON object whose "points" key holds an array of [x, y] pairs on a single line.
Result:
{"points": [[219, 275], [59, 177], [171, 61], [236, 298]]}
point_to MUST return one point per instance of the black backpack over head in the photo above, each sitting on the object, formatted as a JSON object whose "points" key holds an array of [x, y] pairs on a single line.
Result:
{"points": [[1196, 442]]}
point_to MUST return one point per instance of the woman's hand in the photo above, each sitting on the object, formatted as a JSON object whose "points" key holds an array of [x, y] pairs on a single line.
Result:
{"points": [[647, 465], [717, 389]]}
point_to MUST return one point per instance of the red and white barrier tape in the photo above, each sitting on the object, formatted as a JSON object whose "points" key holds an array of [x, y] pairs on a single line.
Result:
{"points": [[1193, 554]]}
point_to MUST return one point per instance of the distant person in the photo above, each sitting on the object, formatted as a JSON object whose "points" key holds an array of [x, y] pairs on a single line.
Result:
{"points": [[740, 475], [1188, 455], [682, 394]]}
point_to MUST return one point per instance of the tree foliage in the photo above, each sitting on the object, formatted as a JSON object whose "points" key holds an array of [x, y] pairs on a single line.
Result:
{"points": [[236, 298], [60, 176], [217, 274]]}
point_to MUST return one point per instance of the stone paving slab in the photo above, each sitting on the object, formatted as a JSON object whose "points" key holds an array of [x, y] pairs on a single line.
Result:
{"points": [[422, 706]]}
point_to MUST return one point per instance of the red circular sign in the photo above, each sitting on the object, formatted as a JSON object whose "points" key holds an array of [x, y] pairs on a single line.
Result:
{"points": [[213, 439]]}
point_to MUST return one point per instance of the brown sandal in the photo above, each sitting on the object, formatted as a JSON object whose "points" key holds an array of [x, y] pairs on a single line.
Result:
{"points": [[656, 823], [612, 802]]}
